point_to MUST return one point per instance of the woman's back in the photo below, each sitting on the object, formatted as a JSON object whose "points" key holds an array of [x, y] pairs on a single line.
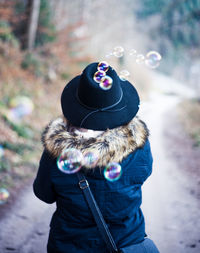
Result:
{"points": [[73, 228]]}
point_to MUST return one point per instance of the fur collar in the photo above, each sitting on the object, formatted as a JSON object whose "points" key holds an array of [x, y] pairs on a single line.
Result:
{"points": [[112, 145]]}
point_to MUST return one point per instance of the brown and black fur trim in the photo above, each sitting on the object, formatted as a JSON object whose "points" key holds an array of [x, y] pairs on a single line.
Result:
{"points": [[112, 145]]}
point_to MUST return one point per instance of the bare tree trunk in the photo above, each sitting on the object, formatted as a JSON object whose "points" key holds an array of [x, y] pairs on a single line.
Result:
{"points": [[33, 23]]}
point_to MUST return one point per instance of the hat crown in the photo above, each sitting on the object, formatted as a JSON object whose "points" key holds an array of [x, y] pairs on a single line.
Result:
{"points": [[86, 104], [91, 95]]}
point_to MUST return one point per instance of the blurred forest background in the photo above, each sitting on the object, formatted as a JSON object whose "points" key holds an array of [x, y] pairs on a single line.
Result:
{"points": [[44, 43]]}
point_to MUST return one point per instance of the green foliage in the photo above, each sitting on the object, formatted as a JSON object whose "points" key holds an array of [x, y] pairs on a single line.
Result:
{"points": [[5, 164], [6, 34], [4, 101], [20, 7], [46, 30], [196, 137], [21, 130], [180, 20], [32, 63], [16, 147], [149, 8], [65, 75], [29, 61], [20, 25]]}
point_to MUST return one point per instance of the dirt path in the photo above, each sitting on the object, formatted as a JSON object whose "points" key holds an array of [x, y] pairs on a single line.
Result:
{"points": [[172, 213], [25, 227]]}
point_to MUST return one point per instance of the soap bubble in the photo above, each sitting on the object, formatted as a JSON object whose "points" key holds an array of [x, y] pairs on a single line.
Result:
{"points": [[103, 66], [132, 52], [153, 59], [98, 76], [70, 161], [113, 171], [106, 83], [140, 59], [4, 195], [90, 159], [118, 51], [124, 75], [20, 107], [1, 151]]}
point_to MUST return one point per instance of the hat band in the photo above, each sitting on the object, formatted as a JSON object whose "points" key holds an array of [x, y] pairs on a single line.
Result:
{"points": [[104, 109]]}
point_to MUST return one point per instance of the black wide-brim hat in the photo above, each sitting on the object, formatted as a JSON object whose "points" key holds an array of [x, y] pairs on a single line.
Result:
{"points": [[85, 104]]}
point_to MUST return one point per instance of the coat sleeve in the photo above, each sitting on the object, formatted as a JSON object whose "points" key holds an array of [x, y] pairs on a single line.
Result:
{"points": [[143, 163], [42, 185], [149, 159]]}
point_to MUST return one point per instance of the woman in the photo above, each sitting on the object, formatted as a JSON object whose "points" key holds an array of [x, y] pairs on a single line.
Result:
{"points": [[99, 116]]}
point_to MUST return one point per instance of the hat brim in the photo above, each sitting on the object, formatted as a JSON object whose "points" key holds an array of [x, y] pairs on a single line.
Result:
{"points": [[81, 116]]}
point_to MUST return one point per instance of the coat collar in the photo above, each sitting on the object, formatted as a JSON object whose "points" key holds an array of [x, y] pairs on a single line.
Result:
{"points": [[113, 145]]}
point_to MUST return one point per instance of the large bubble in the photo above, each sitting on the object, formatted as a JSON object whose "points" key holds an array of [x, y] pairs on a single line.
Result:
{"points": [[103, 66], [113, 171], [153, 59], [118, 51], [90, 159], [124, 75], [98, 76], [106, 83], [70, 161], [4, 195], [20, 107]]}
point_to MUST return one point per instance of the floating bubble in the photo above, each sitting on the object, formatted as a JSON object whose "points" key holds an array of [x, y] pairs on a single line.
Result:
{"points": [[106, 83], [124, 75], [90, 159], [98, 76], [4, 195], [118, 51], [132, 52], [103, 66], [113, 171], [20, 107], [153, 59], [140, 59], [1, 151], [70, 161]]}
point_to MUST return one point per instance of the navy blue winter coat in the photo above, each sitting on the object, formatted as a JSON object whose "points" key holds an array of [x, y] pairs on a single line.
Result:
{"points": [[72, 228]]}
